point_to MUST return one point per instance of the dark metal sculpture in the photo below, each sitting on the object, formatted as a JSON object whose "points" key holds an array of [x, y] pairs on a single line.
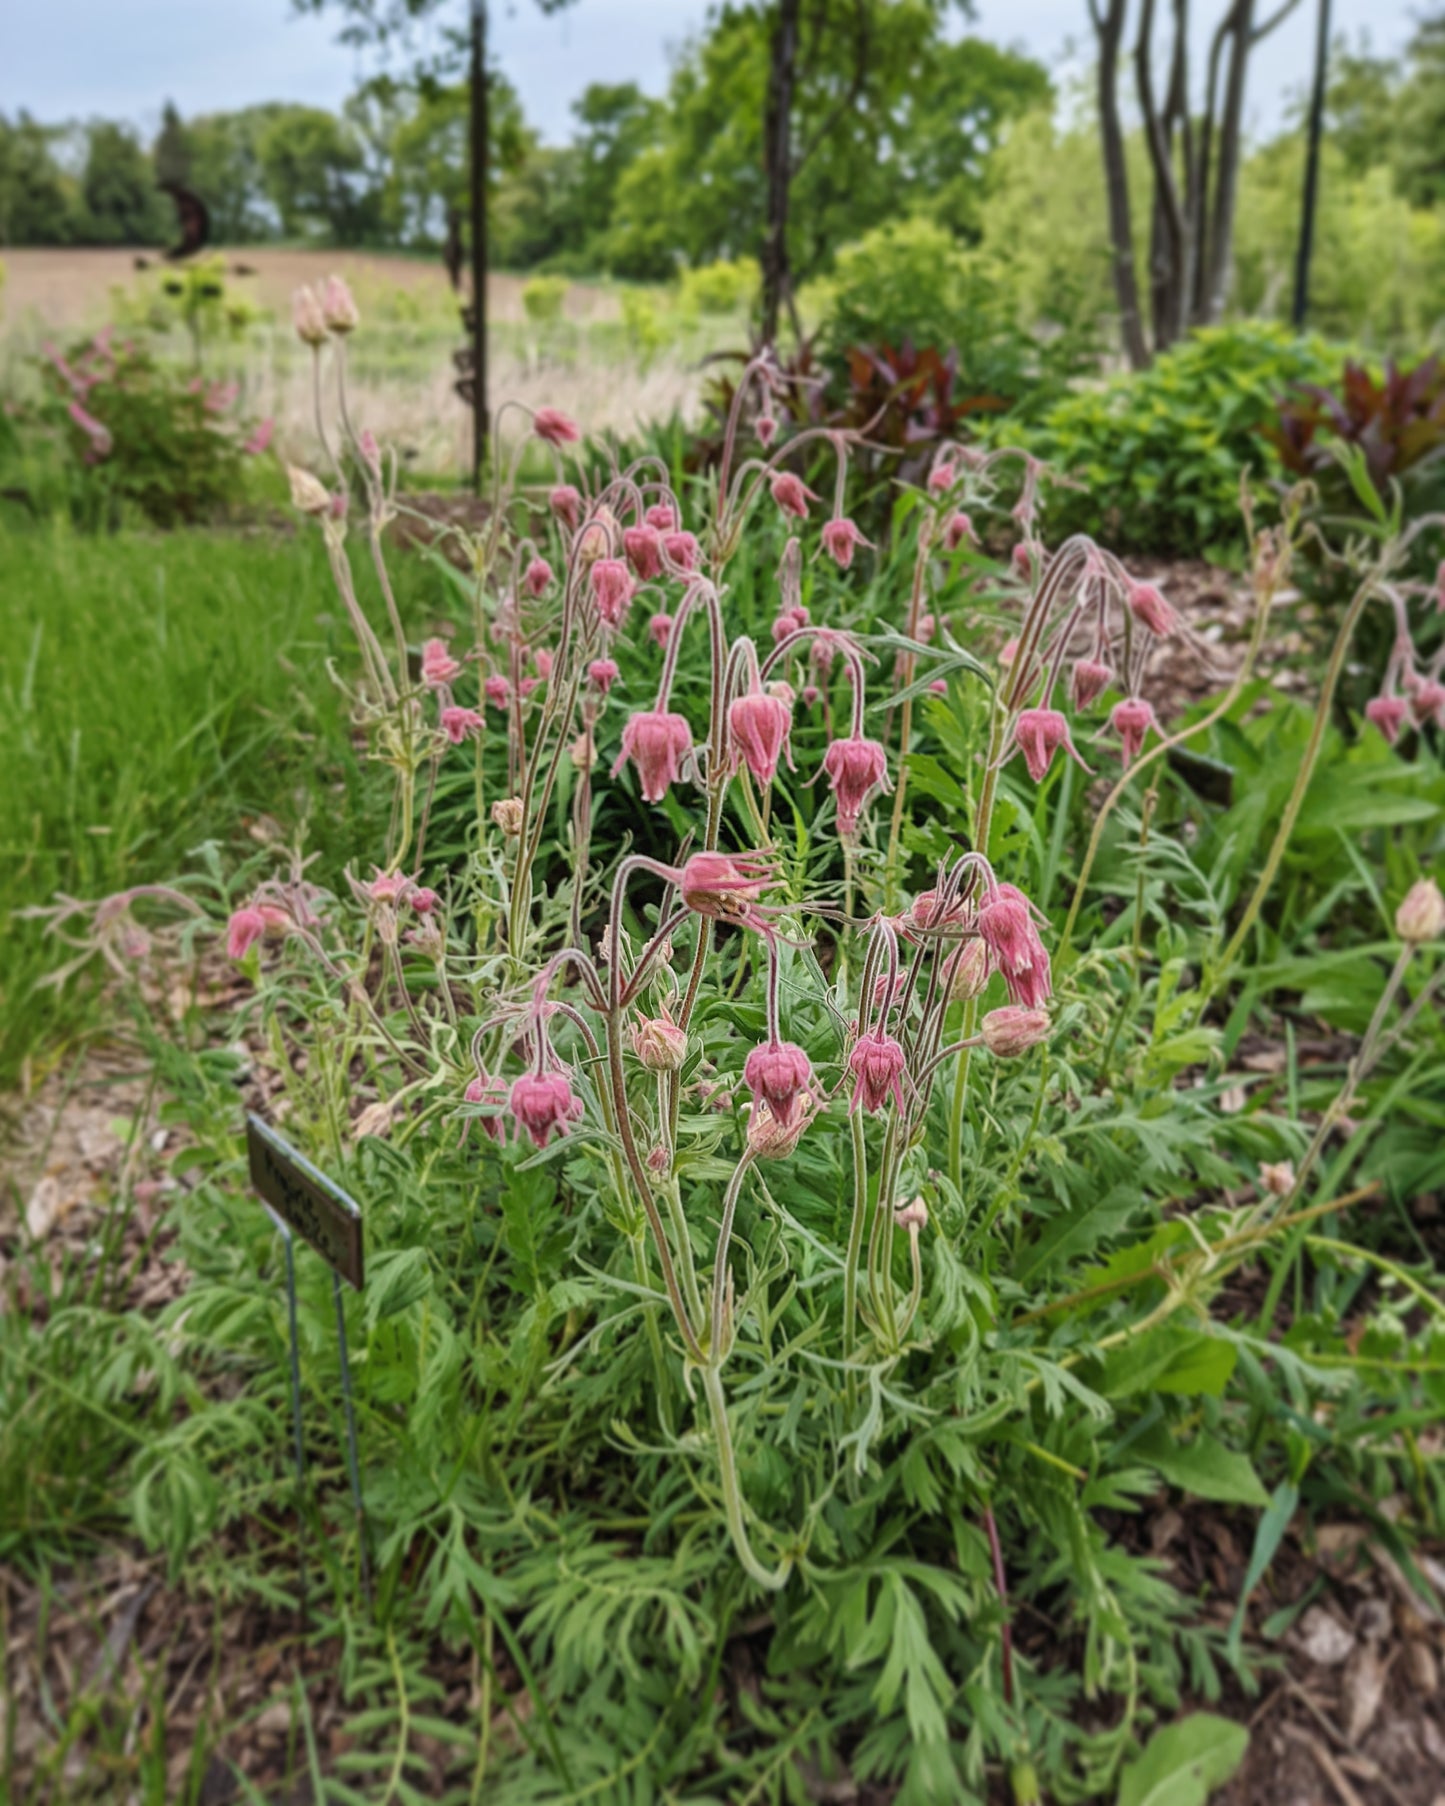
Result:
{"points": [[194, 218]]}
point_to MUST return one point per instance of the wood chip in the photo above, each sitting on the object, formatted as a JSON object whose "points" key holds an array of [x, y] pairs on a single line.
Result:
{"points": [[1326, 1762]]}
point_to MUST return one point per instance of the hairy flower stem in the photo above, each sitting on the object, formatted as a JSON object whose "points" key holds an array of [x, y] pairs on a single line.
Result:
{"points": [[770, 1579], [720, 1260], [1220, 968], [855, 1246]]}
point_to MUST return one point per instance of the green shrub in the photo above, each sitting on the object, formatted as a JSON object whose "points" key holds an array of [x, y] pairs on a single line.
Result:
{"points": [[720, 288], [1161, 451], [543, 297]]}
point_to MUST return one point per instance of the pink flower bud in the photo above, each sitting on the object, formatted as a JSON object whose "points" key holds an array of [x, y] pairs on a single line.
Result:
{"points": [[1038, 734], [422, 899], [1277, 1178], [1131, 720], [877, 1067], [1150, 610], [307, 317], [541, 1104], [1013, 1030], [657, 742], [766, 429], [810, 696], [1023, 559], [542, 660], [308, 493], [779, 1074], [602, 674], [643, 546], [484, 1089], [660, 628], [856, 768], [458, 723], [942, 477], [243, 930], [659, 1043], [726, 888], [1427, 702], [959, 529], [338, 307], [555, 427], [912, 1216], [1090, 680], [1421, 915], [437, 664], [769, 1139], [968, 971], [682, 549], [1006, 925], [1388, 714], [538, 577], [611, 590], [662, 516], [759, 724], [497, 691], [566, 505], [508, 816], [526, 687], [791, 494], [789, 622], [840, 537]]}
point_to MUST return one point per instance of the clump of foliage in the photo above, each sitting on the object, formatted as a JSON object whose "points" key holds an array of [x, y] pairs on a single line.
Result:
{"points": [[1158, 454], [138, 435], [802, 1215], [1396, 421]]}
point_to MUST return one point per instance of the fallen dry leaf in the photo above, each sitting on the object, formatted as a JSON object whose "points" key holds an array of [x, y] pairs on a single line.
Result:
{"points": [[1322, 1637], [1363, 1689]]}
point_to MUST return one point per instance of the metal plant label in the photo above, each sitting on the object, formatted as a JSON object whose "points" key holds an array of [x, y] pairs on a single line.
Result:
{"points": [[314, 1206]]}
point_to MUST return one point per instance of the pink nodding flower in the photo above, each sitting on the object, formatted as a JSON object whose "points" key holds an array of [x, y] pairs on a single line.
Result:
{"points": [[682, 549], [1038, 735], [538, 577], [1013, 1030], [611, 589], [1006, 926], [1131, 719], [307, 317], [780, 1075], [1388, 714], [856, 768], [766, 429], [244, 929], [1023, 558], [959, 529], [457, 723], [423, 899], [789, 622], [662, 516], [1427, 702], [542, 662], [484, 1089], [387, 887], [602, 674], [565, 501], [759, 724], [542, 1103], [555, 427], [497, 691], [1090, 680], [942, 477], [659, 1043], [260, 439], [337, 306], [660, 627], [840, 537], [1150, 610], [526, 687], [725, 887], [643, 546], [877, 1067], [791, 494], [657, 742], [437, 664]]}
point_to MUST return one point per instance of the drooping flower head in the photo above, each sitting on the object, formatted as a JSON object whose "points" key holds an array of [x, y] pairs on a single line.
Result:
{"points": [[1150, 610], [1388, 714], [766, 429], [243, 930], [555, 427], [1006, 925], [542, 1104], [780, 1074], [643, 546], [1131, 720], [484, 1089], [662, 516], [1089, 681], [1427, 702], [657, 741], [856, 768], [942, 477], [682, 549], [959, 529], [1038, 735], [759, 724], [659, 1043], [498, 691], [876, 1063], [791, 494], [612, 590], [437, 664], [307, 317], [1013, 1030], [602, 674], [1421, 915], [457, 723], [538, 577], [725, 887], [659, 627], [789, 622], [840, 537], [969, 970], [565, 501]]}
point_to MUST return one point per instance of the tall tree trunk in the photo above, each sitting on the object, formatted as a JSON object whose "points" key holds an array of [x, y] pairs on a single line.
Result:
{"points": [[479, 150], [1220, 249], [1312, 171], [1110, 28], [777, 161], [1166, 239]]}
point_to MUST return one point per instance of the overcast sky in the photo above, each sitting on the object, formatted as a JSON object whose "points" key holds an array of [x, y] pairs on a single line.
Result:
{"points": [[63, 59]]}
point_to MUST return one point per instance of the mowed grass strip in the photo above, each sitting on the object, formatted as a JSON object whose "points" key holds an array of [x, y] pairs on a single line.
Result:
{"points": [[156, 692]]}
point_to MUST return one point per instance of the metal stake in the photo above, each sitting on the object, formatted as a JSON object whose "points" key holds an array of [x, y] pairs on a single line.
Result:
{"points": [[352, 1465], [300, 1449]]}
